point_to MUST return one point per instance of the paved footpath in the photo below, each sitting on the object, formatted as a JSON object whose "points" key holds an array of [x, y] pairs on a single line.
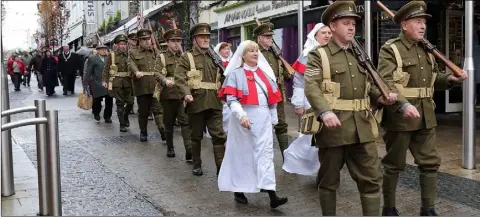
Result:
{"points": [[105, 172]]}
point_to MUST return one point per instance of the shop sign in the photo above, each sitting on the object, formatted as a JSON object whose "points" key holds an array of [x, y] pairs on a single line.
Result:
{"points": [[257, 9], [90, 12]]}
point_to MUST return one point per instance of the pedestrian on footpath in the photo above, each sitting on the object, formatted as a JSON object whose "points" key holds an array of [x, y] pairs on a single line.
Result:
{"points": [[94, 72], [49, 72], [16, 69], [35, 66], [349, 128], [252, 95], [116, 78], [300, 156], [410, 123]]}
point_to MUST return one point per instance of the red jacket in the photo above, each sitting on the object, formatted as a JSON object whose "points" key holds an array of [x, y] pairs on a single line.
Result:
{"points": [[20, 63]]}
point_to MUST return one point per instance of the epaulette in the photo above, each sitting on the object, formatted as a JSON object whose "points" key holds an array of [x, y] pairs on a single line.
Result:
{"points": [[390, 41]]}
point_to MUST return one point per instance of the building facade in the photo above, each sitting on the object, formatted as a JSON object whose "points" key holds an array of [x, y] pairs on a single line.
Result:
{"points": [[74, 30]]}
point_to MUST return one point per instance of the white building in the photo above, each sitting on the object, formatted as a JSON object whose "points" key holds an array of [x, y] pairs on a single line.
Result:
{"points": [[74, 30]]}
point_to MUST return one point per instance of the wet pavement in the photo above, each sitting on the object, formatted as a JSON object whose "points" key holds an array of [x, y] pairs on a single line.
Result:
{"points": [[106, 172]]}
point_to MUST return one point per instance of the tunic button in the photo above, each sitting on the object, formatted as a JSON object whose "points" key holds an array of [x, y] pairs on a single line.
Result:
{"points": [[349, 63], [353, 76], [424, 80], [421, 67], [354, 88], [408, 63], [419, 55]]}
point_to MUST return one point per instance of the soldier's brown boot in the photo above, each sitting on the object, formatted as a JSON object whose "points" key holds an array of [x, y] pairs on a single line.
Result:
{"points": [[282, 142], [390, 211], [328, 202], [370, 205], [428, 188], [121, 120], [389, 188], [186, 132], [170, 150]]}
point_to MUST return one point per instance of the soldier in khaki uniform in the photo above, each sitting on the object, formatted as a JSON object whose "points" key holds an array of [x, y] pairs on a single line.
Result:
{"points": [[116, 78], [410, 122], [340, 92], [264, 34], [198, 79], [145, 65], [170, 96], [132, 44]]}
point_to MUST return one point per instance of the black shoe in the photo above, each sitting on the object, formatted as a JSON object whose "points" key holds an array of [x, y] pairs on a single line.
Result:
{"points": [[123, 129], [188, 157], [108, 120], [170, 152], [64, 93], [143, 137], [218, 171], [240, 198], [197, 171], [428, 212], [276, 201], [127, 122], [386, 211], [97, 117]]}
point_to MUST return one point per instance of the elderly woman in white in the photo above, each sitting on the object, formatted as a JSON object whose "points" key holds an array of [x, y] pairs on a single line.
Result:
{"points": [[223, 49], [252, 95], [301, 157]]}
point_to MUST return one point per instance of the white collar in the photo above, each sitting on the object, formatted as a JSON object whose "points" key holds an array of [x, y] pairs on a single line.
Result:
{"points": [[250, 68]]}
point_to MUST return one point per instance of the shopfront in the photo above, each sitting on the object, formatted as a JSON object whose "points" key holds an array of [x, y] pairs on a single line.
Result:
{"points": [[236, 23]]}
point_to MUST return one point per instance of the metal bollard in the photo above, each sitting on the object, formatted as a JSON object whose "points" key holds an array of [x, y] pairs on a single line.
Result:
{"points": [[41, 131], [8, 187], [53, 163]]}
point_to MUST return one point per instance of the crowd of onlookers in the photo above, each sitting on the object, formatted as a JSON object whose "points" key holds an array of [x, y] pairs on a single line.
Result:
{"points": [[41, 63]]}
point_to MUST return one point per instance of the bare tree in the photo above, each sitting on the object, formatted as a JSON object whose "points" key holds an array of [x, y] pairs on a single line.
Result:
{"points": [[52, 20]]}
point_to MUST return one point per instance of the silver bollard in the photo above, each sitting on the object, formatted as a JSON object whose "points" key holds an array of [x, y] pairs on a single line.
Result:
{"points": [[53, 163], [41, 131], [8, 187]]}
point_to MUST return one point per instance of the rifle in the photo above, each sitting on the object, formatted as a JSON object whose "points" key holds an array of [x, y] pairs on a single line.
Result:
{"points": [[210, 51], [154, 41], [278, 54], [366, 62], [457, 71], [174, 26]]}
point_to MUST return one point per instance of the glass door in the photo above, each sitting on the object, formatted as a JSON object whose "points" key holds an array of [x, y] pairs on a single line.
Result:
{"points": [[454, 51]]}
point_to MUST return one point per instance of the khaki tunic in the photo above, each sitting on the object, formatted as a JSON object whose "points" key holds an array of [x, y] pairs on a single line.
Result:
{"points": [[420, 67], [202, 99], [345, 69], [171, 60], [141, 60]]}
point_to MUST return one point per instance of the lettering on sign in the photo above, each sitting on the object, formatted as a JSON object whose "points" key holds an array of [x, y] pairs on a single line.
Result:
{"points": [[258, 9], [109, 8], [90, 12]]}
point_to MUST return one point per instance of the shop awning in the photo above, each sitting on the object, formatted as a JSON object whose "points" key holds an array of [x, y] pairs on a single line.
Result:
{"points": [[132, 24]]}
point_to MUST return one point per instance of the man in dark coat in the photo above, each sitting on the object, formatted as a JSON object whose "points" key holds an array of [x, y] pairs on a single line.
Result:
{"points": [[95, 66], [68, 66]]}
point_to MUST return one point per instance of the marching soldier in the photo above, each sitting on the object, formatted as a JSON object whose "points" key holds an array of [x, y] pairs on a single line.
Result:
{"points": [[118, 81], [170, 97], [132, 44], [198, 79], [340, 92], [132, 41], [264, 34], [145, 68], [410, 122]]}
